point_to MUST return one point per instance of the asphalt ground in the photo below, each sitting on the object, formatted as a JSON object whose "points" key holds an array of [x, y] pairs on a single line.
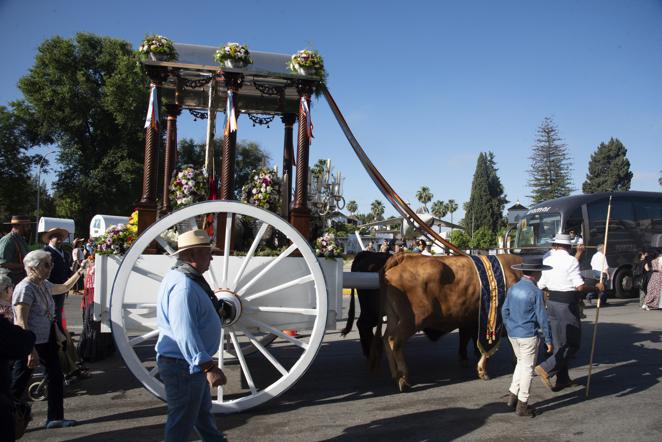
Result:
{"points": [[338, 399]]}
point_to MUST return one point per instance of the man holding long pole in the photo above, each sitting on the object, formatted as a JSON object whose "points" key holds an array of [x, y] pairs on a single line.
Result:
{"points": [[565, 286]]}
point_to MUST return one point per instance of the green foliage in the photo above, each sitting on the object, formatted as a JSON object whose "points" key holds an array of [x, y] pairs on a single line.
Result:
{"points": [[424, 196], [88, 95], [487, 200], [352, 207], [377, 210], [483, 238], [608, 169], [17, 188], [439, 209], [549, 175], [459, 238]]}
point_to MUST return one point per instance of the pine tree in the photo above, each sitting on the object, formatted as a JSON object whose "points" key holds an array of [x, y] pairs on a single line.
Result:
{"points": [[550, 165], [608, 169], [487, 200]]}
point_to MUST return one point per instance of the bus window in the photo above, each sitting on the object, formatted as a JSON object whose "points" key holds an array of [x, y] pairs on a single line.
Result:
{"points": [[623, 234], [575, 221], [537, 230]]}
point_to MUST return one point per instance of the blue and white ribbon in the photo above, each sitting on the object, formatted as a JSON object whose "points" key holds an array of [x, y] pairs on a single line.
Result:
{"points": [[152, 119]]}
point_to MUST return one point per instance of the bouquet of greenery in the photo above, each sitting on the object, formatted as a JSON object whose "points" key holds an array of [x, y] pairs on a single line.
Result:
{"points": [[117, 239], [159, 46], [327, 246], [188, 186], [262, 189], [233, 52], [307, 62]]}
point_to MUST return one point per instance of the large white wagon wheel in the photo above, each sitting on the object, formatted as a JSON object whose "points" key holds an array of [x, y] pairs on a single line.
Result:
{"points": [[270, 295]]}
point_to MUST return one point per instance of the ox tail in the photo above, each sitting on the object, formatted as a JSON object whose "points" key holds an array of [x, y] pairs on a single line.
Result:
{"points": [[350, 315], [377, 345]]}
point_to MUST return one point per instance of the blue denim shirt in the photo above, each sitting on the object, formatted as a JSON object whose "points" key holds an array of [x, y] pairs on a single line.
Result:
{"points": [[524, 313], [189, 327]]}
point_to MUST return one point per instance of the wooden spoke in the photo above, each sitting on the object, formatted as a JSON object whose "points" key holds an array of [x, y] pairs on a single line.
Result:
{"points": [[242, 362], [140, 339], [299, 311], [221, 361], [154, 371], [249, 255], [270, 329], [268, 267], [287, 285], [163, 243], [226, 249], [142, 271], [138, 306], [264, 351]]}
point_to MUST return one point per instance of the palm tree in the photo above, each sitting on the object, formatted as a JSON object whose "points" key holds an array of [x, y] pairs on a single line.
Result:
{"points": [[377, 210], [424, 196], [439, 209], [451, 207], [352, 207]]}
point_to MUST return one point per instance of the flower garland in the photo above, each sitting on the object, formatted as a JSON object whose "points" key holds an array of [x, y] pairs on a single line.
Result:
{"points": [[188, 186], [262, 189], [233, 52], [117, 239], [327, 246], [158, 44]]}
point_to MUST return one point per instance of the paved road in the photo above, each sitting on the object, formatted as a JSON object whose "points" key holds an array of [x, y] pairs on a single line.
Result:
{"points": [[339, 400]]}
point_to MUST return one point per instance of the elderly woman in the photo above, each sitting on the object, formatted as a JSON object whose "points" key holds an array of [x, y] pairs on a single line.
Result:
{"points": [[35, 311]]}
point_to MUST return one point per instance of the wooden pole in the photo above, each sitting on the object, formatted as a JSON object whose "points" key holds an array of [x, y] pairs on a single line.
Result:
{"points": [[597, 308]]}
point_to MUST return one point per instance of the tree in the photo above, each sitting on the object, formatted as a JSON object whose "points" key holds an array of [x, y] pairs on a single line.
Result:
{"points": [[608, 169], [549, 175], [451, 207], [487, 200], [352, 207], [88, 95], [439, 209], [377, 210], [424, 196], [459, 239], [483, 239]]}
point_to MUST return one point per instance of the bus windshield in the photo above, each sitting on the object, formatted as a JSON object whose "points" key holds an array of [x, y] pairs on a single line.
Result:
{"points": [[537, 230]]}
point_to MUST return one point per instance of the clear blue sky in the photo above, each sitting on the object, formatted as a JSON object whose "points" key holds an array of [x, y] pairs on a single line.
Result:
{"points": [[425, 86]]}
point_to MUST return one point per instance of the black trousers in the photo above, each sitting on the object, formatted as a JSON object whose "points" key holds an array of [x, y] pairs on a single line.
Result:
{"points": [[48, 357], [59, 305], [566, 337]]}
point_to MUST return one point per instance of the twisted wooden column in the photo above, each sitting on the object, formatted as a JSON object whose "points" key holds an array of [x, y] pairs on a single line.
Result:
{"points": [[300, 215], [288, 160], [170, 158]]}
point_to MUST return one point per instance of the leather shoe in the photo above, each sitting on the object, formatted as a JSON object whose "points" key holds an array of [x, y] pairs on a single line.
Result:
{"points": [[512, 401], [544, 377]]}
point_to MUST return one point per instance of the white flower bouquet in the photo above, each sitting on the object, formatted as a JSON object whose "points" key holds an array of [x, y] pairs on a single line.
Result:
{"points": [[233, 55], [327, 246], [188, 186], [262, 189], [161, 47], [308, 62]]}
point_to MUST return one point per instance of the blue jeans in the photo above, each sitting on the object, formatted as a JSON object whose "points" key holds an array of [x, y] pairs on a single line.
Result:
{"points": [[189, 402]]}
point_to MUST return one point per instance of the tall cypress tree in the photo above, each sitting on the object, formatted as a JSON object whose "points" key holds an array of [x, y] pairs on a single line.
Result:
{"points": [[487, 200], [608, 169], [549, 175]]}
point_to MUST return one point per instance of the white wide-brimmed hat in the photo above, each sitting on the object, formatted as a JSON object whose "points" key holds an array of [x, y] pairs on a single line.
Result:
{"points": [[562, 238], [192, 239], [55, 231]]}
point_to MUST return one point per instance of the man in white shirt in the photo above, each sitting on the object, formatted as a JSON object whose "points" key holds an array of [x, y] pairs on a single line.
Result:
{"points": [[600, 267], [564, 284]]}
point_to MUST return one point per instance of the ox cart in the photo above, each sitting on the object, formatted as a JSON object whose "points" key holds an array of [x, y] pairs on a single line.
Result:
{"points": [[270, 295]]}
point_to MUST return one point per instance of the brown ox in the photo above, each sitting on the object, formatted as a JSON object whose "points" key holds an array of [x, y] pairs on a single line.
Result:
{"points": [[436, 294], [367, 261]]}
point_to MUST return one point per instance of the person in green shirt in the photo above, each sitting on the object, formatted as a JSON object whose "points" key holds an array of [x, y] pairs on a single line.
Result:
{"points": [[13, 248]]}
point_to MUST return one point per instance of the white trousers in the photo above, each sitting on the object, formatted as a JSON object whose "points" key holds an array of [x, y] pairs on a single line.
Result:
{"points": [[526, 350]]}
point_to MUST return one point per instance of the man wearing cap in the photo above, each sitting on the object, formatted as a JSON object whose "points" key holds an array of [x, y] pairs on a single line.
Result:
{"points": [[61, 270], [524, 314], [189, 333], [565, 286], [13, 248]]}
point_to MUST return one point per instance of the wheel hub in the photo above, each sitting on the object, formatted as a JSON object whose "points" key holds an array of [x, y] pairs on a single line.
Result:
{"points": [[230, 306]]}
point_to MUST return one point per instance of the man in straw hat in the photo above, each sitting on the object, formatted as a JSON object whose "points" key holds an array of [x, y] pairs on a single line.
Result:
{"points": [[189, 333], [565, 286], [523, 315], [13, 248], [61, 270]]}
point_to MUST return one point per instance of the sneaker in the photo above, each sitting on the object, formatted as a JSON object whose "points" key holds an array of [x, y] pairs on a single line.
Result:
{"points": [[60, 423]]}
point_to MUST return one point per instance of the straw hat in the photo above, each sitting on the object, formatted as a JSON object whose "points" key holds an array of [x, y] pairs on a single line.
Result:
{"points": [[191, 240], [55, 231], [531, 264], [563, 239], [20, 219]]}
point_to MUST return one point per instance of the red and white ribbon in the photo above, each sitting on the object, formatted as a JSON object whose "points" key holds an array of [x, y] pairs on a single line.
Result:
{"points": [[230, 115], [152, 119], [309, 119]]}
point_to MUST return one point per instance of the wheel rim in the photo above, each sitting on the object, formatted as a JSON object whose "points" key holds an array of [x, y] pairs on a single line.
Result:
{"points": [[274, 293]]}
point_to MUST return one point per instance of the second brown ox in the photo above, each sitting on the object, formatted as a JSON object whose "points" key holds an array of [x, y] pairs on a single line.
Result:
{"points": [[436, 294]]}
